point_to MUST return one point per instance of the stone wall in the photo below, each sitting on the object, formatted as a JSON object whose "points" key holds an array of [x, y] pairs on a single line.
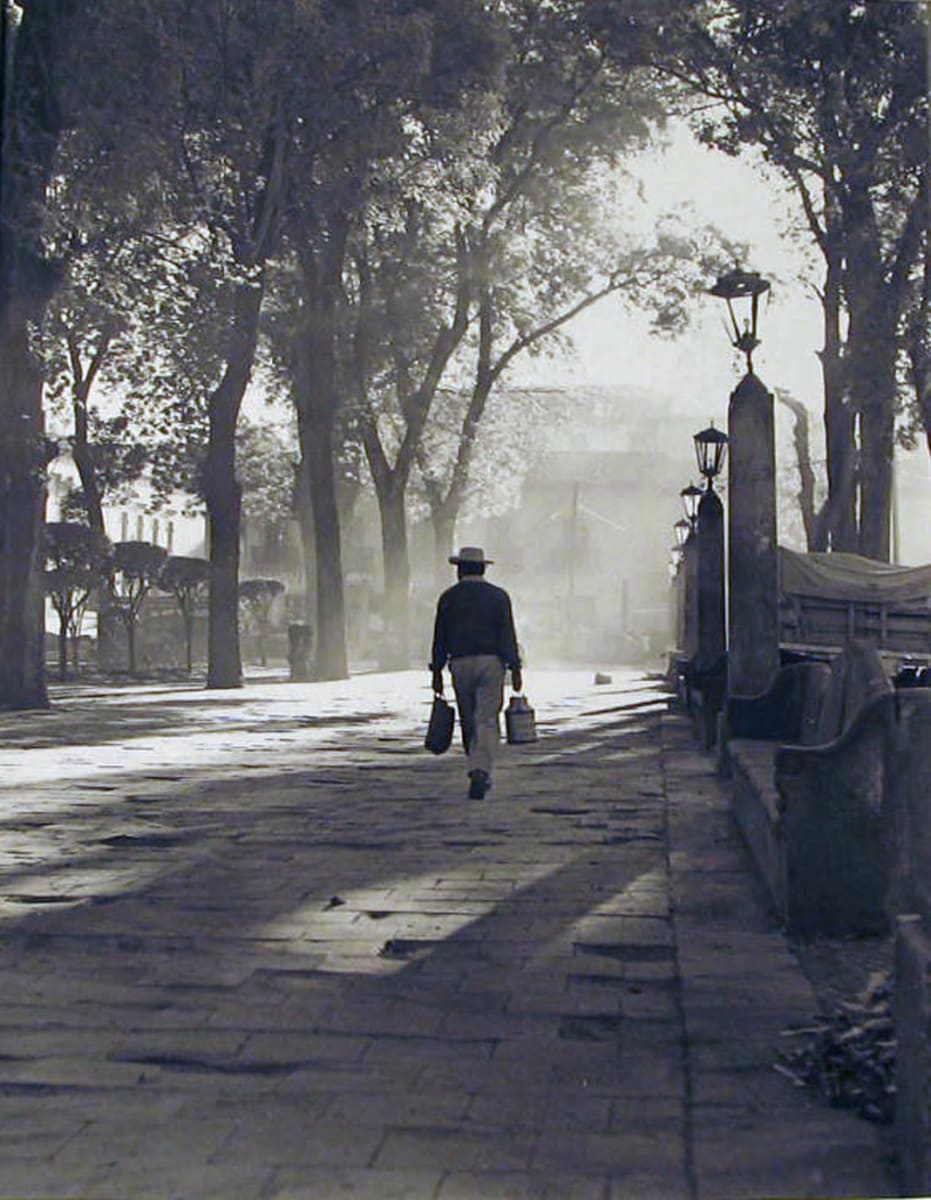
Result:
{"points": [[909, 851]]}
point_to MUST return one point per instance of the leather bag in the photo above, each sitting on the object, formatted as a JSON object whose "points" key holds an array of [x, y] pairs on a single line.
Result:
{"points": [[440, 726]]}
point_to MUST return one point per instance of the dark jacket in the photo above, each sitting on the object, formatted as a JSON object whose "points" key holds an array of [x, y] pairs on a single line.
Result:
{"points": [[474, 617]]}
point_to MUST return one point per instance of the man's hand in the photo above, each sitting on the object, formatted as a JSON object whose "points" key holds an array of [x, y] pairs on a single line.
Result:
{"points": [[517, 679], [438, 682]]}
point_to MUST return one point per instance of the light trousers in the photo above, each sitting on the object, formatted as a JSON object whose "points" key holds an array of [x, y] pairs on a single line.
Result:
{"points": [[478, 682]]}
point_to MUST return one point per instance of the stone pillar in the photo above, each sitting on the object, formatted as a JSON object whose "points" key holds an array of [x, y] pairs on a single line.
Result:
{"points": [[753, 629], [710, 661], [688, 574], [673, 610]]}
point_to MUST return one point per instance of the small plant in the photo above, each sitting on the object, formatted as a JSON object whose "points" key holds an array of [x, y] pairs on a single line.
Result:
{"points": [[77, 559]]}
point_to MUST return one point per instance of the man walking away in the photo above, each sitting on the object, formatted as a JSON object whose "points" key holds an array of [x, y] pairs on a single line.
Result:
{"points": [[474, 633]]}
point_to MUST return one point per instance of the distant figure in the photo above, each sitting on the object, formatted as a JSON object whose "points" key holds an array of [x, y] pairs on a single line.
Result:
{"points": [[474, 633]]}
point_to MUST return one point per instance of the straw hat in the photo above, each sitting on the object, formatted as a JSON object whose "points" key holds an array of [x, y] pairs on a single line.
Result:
{"points": [[470, 554]]}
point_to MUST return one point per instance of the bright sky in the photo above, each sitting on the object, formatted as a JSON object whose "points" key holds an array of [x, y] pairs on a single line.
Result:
{"points": [[751, 205], [614, 346]]}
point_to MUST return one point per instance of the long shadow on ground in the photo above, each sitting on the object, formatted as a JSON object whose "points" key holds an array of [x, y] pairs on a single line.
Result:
{"points": [[307, 944]]}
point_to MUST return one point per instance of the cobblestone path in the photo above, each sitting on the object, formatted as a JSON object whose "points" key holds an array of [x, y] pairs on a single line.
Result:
{"points": [[270, 952]]}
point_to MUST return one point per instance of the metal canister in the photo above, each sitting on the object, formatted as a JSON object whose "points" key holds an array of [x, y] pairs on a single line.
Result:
{"points": [[520, 721]]}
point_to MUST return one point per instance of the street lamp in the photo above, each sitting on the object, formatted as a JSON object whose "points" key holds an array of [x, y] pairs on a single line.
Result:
{"points": [[753, 585], [743, 289], [710, 658], [682, 529], [710, 448], [691, 495]]}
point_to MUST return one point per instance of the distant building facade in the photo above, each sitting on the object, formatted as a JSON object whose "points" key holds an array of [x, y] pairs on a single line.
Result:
{"points": [[585, 553]]}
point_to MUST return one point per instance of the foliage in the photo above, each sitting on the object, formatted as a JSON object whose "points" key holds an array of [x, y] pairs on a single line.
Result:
{"points": [[493, 259], [111, 224], [256, 592], [137, 568], [551, 230], [915, 358], [511, 441], [117, 462], [184, 577], [380, 82], [73, 547], [834, 93], [266, 461]]}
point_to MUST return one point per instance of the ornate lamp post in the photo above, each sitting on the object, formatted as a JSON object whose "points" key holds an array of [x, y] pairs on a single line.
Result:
{"points": [[710, 662], [744, 289], [710, 449], [691, 496], [753, 652]]}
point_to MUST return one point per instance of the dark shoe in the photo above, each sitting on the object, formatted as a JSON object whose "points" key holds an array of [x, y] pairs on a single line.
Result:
{"points": [[479, 783]]}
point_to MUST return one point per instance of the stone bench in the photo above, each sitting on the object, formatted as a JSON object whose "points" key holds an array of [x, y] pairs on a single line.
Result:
{"points": [[808, 767], [841, 833]]}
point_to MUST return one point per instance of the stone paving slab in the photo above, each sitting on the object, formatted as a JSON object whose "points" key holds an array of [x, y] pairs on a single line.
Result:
{"points": [[739, 987], [296, 962]]}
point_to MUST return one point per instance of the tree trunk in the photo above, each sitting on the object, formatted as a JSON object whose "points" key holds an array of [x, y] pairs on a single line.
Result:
{"points": [[396, 652], [22, 515], [304, 511], [263, 625], [315, 427], [444, 530], [918, 346], [873, 394], [839, 515], [877, 424], [32, 65], [841, 512], [875, 304], [815, 538], [317, 401], [188, 615], [224, 504], [390, 488], [80, 444], [131, 643], [63, 645], [223, 493], [76, 648], [445, 511], [93, 501]]}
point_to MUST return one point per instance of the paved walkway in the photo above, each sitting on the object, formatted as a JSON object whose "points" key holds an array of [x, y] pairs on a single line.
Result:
{"points": [[259, 947]]}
